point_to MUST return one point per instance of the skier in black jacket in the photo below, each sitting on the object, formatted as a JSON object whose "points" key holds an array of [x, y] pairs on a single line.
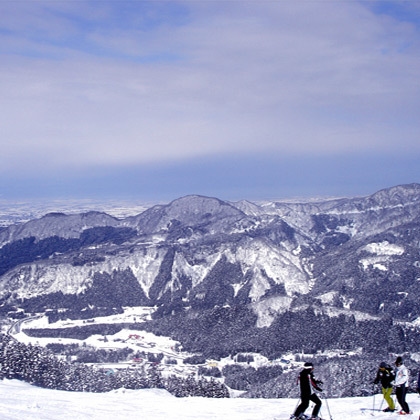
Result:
{"points": [[307, 386]]}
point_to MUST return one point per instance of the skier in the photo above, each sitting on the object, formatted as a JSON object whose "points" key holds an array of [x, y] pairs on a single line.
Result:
{"points": [[307, 386], [386, 375], [401, 383]]}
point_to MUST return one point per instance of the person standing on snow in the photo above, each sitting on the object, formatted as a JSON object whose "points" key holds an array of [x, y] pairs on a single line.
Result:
{"points": [[307, 386], [386, 376], [401, 384]]}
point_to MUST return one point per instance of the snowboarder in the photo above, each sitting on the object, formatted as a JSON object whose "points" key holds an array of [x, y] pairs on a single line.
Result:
{"points": [[386, 376], [401, 383], [307, 386]]}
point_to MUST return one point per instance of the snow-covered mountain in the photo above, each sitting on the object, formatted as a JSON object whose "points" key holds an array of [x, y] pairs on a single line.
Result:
{"points": [[357, 257]]}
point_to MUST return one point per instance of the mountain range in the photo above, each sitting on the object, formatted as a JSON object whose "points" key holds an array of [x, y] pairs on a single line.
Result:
{"points": [[232, 276]]}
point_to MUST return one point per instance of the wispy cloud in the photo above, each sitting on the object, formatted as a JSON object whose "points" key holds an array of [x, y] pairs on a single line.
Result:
{"points": [[127, 82]]}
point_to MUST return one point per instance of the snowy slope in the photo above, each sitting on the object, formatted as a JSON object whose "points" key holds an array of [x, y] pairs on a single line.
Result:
{"points": [[22, 401]]}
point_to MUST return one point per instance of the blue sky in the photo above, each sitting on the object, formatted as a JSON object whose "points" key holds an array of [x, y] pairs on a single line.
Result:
{"points": [[234, 99]]}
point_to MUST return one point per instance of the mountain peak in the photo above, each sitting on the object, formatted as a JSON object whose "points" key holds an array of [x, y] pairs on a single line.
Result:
{"points": [[200, 205]]}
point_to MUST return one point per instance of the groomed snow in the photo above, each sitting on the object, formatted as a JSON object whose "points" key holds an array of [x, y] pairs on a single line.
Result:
{"points": [[21, 401]]}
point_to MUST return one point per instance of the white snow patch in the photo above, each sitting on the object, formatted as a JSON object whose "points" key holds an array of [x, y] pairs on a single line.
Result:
{"points": [[268, 309], [415, 357], [268, 262], [327, 297], [347, 302], [196, 272], [384, 248], [236, 288], [332, 311], [375, 262], [130, 315], [381, 253], [297, 251], [349, 230]]}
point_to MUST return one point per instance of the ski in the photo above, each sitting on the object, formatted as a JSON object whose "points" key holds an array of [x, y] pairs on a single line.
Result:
{"points": [[301, 417], [375, 411]]}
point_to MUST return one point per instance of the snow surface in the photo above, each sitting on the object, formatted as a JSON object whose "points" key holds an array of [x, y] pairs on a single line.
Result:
{"points": [[22, 401], [384, 248]]}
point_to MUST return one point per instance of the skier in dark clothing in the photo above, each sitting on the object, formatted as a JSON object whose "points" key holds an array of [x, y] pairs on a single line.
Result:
{"points": [[386, 377], [307, 386]]}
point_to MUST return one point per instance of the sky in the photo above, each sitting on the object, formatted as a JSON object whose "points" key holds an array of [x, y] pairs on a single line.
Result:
{"points": [[22, 401], [236, 99]]}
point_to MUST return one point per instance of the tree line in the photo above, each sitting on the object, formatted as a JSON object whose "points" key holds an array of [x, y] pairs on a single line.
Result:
{"points": [[40, 367]]}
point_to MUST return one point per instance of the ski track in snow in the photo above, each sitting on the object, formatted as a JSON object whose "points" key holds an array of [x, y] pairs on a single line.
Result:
{"points": [[21, 401]]}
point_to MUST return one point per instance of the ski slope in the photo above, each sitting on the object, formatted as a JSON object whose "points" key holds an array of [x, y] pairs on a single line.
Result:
{"points": [[20, 400]]}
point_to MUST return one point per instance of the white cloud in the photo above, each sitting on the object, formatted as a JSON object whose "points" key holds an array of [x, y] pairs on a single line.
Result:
{"points": [[78, 87]]}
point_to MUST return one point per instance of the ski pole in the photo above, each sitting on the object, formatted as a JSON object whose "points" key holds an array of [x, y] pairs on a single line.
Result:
{"points": [[380, 407], [373, 406], [296, 406], [328, 406]]}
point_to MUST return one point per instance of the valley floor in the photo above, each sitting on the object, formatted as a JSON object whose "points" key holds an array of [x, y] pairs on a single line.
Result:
{"points": [[19, 400]]}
